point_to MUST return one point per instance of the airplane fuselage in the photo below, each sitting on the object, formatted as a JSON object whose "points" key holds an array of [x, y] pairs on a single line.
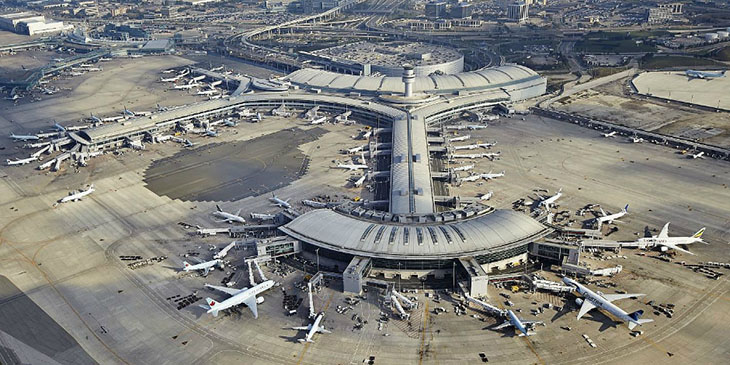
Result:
{"points": [[600, 302], [243, 296]]}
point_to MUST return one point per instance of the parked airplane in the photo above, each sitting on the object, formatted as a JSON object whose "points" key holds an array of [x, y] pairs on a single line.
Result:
{"points": [[281, 203], [352, 167], [263, 216], [519, 324], [357, 149], [207, 92], [224, 252], [696, 155], [168, 71], [463, 168], [228, 217], [471, 178], [78, 195], [185, 87], [476, 126], [491, 176], [666, 242], [197, 78], [205, 266], [14, 97], [486, 196], [603, 301], [612, 134], [238, 296], [215, 83], [609, 218], [24, 138], [705, 75], [637, 139], [548, 202], [59, 128], [170, 79], [21, 161], [486, 145], [320, 120], [459, 139], [312, 328]]}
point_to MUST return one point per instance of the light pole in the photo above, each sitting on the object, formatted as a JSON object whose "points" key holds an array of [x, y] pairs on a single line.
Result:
{"points": [[317, 251], [399, 275]]}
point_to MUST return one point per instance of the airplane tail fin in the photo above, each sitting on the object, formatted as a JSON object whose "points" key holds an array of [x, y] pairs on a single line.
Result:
{"points": [[636, 315], [635, 319], [218, 207], [699, 233], [186, 264], [626, 208], [211, 304]]}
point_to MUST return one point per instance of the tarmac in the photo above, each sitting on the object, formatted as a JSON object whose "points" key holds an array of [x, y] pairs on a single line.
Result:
{"points": [[71, 270], [677, 86]]}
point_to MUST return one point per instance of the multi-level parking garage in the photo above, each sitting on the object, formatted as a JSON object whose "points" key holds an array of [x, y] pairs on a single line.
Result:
{"points": [[411, 233]]}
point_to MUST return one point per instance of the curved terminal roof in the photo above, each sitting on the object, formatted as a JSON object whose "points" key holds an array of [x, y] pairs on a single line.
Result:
{"points": [[481, 234], [490, 78]]}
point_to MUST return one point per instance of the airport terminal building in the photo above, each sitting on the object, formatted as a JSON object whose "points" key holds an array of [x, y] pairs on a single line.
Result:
{"points": [[407, 234]]}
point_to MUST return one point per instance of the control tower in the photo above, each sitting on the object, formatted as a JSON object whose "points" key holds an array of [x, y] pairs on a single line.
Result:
{"points": [[409, 77]]}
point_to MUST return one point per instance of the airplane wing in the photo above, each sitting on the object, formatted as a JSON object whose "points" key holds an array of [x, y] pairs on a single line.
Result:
{"points": [[301, 328], [251, 304], [530, 323], [675, 247], [503, 325], [612, 297], [206, 271], [664, 233], [322, 330], [587, 306], [229, 291]]}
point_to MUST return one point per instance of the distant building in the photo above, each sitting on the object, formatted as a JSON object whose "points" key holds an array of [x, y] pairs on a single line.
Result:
{"points": [[436, 9], [518, 12], [663, 13], [317, 6], [124, 32], [461, 10], [31, 24], [118, 11]]}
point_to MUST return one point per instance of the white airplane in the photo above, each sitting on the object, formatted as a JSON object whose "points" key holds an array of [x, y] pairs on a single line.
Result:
{"points": [[612, 134], [521, 325], [361, 180], [609, 218], [463, 168], [214, 69], [312, 328], [476, 126], [170, 79], [207, 92], [486, 196], [21, 161], [471, 178], [459, 139], [263, 216], [466, 147], [491, 176], [637, 140], [666, 242], [278, 202], [548, 202], [205, 266], [78, 195], [238, 296], [59, 128], [357, 149], [185, 87], [704, 75], [24, 138], [197, 78], [128, 113], [486, 145], [14, 97], [168, 71], [215, 83], [321, 120], [352, 167], [104, 59], [228, 217], [603, 301], [696, 155], [224, 252]]}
